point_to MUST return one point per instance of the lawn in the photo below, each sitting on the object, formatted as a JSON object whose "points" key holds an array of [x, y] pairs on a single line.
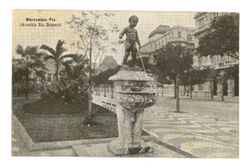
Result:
{"points": [[54, 121]]}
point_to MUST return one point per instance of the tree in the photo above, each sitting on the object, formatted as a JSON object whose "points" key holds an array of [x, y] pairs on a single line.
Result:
{"points": [[91, 34], [18, 79], [222, 38], [172, 61], [56, 55], [224, 74], [192, 77], [102, 77], [142, 62], [211, 75], [74, 81], [29, 65]]}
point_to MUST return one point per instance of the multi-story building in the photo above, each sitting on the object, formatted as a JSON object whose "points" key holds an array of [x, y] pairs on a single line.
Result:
{"points": [[217, 62], [165, 34]]}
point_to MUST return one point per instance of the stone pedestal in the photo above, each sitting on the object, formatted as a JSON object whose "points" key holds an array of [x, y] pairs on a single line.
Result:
{"points": [[130, 130], [134, 90]]}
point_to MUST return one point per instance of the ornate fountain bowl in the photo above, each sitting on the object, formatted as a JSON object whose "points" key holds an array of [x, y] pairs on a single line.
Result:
{"points": [[134, 88], [136, 101]]}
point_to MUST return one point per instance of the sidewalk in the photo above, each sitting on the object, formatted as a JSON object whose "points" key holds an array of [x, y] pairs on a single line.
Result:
{"points": [[203, 128]]}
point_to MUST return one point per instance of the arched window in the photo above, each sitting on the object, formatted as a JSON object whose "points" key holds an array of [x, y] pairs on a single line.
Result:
{"points": [[189, 37]]}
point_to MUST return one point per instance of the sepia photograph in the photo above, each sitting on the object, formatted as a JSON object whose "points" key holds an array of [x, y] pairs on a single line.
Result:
{"points": [[116, 83]]}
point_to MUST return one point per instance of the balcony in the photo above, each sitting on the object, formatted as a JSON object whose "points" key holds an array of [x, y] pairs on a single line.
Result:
{"points": [[201, 30], [225, 64]]}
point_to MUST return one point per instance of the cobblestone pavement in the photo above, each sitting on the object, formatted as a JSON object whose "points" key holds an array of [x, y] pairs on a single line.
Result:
{"points": [[202, 128]]}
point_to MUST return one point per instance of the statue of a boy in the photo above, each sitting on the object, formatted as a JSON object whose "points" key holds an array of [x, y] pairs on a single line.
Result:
{"points": [[131, 40]]}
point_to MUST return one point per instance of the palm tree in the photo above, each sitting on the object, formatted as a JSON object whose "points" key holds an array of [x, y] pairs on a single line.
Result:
{"points": [[29, 63], [56, 55], [74, 80]]}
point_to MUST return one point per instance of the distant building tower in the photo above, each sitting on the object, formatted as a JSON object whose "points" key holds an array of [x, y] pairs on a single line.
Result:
{"points": [[108, 63]]}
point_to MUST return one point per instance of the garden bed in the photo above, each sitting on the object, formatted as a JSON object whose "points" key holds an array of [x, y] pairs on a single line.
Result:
{"points": [[47, 121]]}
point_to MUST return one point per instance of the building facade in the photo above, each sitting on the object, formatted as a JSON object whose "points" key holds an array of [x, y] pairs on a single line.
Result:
{"points": [[164, 34], [217, 62]]}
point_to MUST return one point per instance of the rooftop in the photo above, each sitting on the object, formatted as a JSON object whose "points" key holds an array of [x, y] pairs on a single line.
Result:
{"points": [[107, 63], [199, 14], [161, 29]]}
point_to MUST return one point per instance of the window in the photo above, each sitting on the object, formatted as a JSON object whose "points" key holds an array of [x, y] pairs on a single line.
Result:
{"points": [[179, 34], [54, 76], [168, 36], [38, 79], [201, 22], [200, 87], [200, 61], [49, 77], [189, 37]]}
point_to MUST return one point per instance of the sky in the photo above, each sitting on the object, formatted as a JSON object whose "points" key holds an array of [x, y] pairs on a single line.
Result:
{"points": [[36, 36]]}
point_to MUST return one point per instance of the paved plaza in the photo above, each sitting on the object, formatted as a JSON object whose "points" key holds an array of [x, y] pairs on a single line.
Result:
{"points": [[202, 129]]}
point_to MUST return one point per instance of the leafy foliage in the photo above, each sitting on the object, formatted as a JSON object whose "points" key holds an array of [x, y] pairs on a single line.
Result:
{"points": [[91, 34], [56, 55], [173, 61], [72, 85], [102, 77], [194, 76], [178, 59], [27, 68], [223, 37]]}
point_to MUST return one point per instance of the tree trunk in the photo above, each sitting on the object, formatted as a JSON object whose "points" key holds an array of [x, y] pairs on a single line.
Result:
{"points": [[27, 84], [177, 95], [112, 91], [175, 88], [105, 90], [90, 87], [212, 89], [191, 91], [177, 99], [57, 71], [222, 91], [186, 93], [99, 90]]}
